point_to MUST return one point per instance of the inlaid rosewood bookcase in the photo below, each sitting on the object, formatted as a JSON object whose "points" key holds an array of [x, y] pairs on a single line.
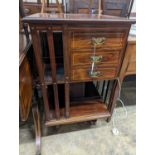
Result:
{"points": [[76, 54]]}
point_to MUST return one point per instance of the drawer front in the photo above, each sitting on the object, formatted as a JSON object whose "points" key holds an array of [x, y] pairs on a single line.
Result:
{"points": [[98, 73], [87, 58], [102, 40]]}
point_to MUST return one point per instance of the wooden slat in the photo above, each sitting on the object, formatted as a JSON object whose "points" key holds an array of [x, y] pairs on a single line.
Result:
{"points": [[97, 85], [51, 54], [37, 53], [56, 100], [106, 93], [66, 69], [67, 99], [53, 68], [103, 88]]}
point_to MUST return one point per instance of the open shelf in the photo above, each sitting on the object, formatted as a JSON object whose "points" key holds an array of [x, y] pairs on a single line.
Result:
{"points": [[83, 111], [85, 104], [83, 91]]}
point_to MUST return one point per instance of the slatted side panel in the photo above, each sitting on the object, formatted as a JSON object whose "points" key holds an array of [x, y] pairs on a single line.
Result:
{"points": [[105, 89], [40, 67], [53, 73], [52, 59]]}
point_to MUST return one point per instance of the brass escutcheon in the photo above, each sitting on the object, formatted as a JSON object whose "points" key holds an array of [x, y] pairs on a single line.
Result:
{"points": [[96, 59], [94, 74], [98, 41]]}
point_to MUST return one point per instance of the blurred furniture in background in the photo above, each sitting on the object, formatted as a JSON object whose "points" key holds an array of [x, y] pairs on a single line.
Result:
{"points": [[51, 9], [118, 7], [109, 7], [36, 6], [131, 48], [23, 26], [82, 6]]}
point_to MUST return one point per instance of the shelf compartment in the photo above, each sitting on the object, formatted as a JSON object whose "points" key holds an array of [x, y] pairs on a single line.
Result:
{"points": [[80, 112], [59, 74], [83, 91], [60, 94], [52, 56]]}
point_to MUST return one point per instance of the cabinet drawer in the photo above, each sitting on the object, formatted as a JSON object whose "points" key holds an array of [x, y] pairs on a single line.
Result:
{"points": [[87, 58], [98, 73], [102, 40]]}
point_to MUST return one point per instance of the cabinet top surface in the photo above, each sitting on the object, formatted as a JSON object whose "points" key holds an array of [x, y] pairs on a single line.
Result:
{"points": [[74, 18]]}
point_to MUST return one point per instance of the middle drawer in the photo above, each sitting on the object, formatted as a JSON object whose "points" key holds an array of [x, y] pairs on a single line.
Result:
{"points": [[87, 58]]}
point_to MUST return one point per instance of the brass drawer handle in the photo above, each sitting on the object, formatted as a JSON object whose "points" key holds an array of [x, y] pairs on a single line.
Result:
{"points": [[98, 41], [95, 74], [96, 59]]}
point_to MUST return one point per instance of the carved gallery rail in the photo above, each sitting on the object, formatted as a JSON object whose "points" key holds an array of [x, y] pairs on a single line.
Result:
{"points": [[72, 52]]}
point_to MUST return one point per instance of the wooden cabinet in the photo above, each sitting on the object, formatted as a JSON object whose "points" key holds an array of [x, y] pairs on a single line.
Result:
{"points": [[72, 52]]}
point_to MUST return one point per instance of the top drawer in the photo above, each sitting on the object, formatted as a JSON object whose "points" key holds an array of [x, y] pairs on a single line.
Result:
{"points": [[100, 39]]}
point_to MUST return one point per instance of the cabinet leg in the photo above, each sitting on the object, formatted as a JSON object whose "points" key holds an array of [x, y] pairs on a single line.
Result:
{"points": [[108, 119], [113, 99], [36, 119]]}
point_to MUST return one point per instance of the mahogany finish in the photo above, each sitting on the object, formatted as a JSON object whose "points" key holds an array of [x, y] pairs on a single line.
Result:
{"points": [[82, 112], [84, 58], [62, 18], [25, 79], [25, 89], [32, 8], [80, 35], [83, 40], [83, 74]]}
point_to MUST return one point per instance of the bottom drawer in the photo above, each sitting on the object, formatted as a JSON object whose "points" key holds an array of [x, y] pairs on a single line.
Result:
{"points": [[98, 73]]}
